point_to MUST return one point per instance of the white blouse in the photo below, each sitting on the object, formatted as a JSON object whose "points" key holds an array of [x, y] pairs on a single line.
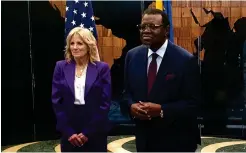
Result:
{"points": [[79, 88]]}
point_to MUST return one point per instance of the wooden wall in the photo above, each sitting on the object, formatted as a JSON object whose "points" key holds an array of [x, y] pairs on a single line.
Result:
{"points": [[185, 29]]}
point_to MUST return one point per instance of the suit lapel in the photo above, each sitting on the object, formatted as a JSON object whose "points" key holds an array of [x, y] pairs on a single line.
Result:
{"points": [[142, 69], [69, 72], [91, 76], [165, 67]]}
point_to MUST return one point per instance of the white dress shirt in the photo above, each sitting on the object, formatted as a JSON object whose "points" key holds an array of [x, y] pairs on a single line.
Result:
{"points": [[161, 51], [79, 88]]}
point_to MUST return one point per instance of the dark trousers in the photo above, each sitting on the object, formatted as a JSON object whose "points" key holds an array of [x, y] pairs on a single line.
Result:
{"points": [[78, 121], [164, 145], [167, 148]]}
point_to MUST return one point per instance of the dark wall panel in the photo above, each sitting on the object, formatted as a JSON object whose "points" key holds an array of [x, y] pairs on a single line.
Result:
{"points": [[17, 112], [47, 46]]}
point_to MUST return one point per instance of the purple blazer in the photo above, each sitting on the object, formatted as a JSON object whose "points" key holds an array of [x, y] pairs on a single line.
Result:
{"points": [[97, 99]]}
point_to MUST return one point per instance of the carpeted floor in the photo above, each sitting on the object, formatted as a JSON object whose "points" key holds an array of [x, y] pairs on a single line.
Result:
{"points": [[49, 146]]}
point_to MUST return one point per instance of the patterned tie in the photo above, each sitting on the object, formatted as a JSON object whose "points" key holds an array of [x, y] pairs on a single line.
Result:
{"points": [[152, 71]]}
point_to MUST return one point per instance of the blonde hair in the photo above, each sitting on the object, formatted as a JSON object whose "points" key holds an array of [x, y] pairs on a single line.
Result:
{"points": [[88, 38]]}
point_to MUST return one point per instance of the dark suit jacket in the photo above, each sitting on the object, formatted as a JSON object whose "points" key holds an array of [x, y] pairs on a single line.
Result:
{"points": [[176, 89], [94, 117]]}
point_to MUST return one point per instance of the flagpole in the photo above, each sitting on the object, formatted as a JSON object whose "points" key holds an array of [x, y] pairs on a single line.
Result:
{"points": [[199, 53], [142, 7], [32, 68]]}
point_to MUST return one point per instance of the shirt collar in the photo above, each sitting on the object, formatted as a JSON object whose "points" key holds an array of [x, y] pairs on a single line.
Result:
{"points": [[161, 51]]}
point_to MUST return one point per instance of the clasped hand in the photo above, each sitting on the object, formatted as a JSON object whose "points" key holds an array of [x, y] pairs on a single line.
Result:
{"points": [[145, 110], [78, 139]]}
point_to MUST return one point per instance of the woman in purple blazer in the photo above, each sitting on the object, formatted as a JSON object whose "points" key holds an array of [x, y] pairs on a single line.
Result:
{"points": [[81, 93]]}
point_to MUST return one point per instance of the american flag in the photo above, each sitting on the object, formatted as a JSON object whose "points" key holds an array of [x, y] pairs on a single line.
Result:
{"points": [[79, 13]]}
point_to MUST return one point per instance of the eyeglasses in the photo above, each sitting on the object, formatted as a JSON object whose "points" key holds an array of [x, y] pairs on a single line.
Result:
{"points": [[142, 27]]}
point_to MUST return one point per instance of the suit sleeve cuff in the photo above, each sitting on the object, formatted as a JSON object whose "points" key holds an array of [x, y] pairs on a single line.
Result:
{"points": [[69, 132], [86, 133]]}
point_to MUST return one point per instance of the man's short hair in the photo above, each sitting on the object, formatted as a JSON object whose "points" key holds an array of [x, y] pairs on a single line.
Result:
{"points": [[165, 20]]}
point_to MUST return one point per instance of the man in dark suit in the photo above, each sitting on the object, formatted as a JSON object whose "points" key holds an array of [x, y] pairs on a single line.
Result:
{"points": [[163, 89]]}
